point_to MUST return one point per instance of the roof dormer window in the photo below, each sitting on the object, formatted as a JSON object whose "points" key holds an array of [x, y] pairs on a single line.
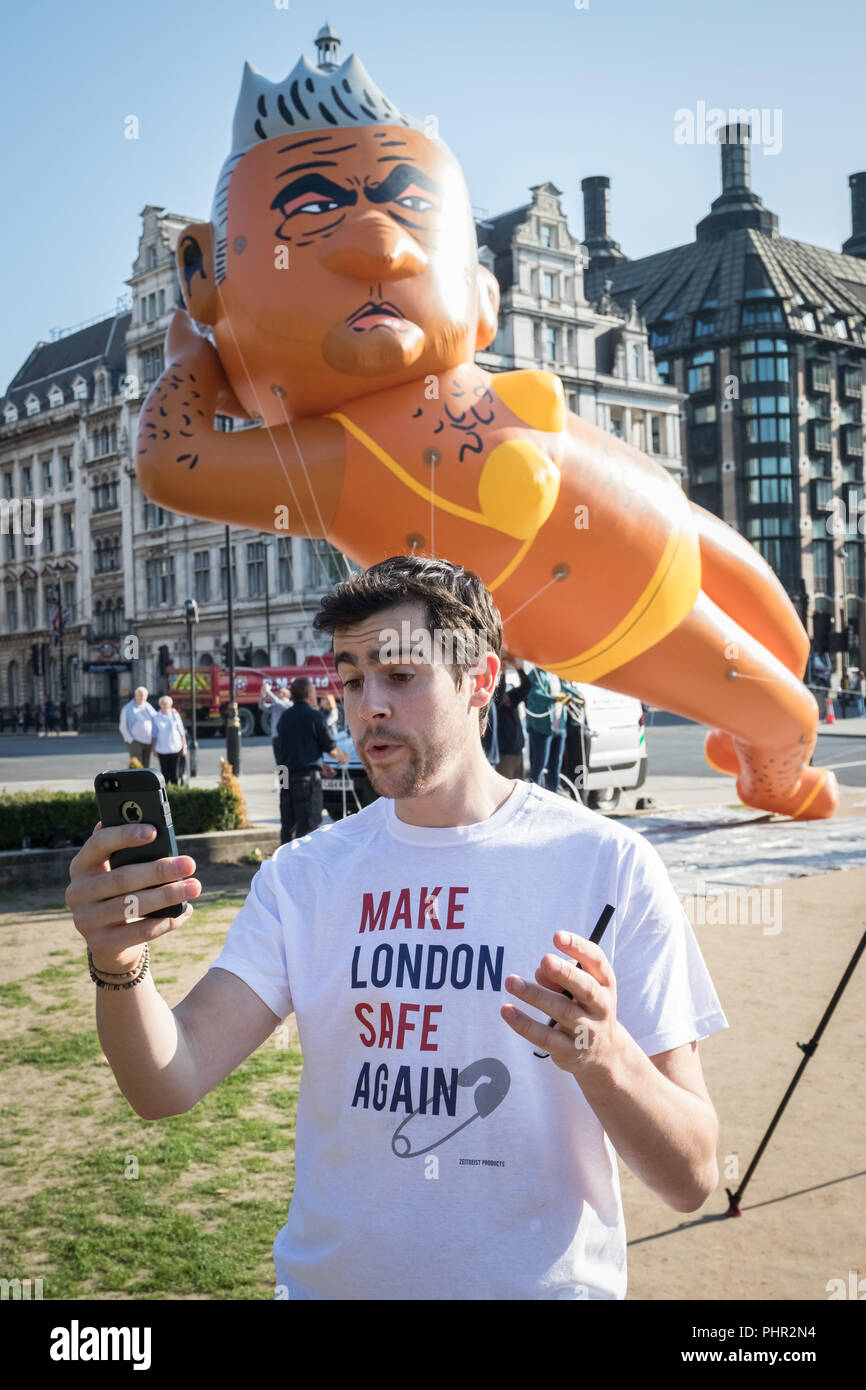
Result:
{"points": [[79, 389], [10, 414], [31, 405]]}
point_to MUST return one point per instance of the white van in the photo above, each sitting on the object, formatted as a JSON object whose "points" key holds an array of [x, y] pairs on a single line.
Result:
{"points": [[614, 736]]}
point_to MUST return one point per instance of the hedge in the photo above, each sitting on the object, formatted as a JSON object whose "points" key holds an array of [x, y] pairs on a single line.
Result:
{"points": [[51, 819]]}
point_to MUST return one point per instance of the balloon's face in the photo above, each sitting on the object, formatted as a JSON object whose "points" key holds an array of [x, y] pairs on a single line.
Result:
{"points": [[351, 266]]}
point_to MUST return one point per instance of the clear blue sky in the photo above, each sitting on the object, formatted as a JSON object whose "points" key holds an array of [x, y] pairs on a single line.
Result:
{"points": [[524, 91]]}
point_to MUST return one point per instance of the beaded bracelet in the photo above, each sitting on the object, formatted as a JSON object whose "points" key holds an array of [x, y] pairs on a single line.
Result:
{"points": [[140, 971]]}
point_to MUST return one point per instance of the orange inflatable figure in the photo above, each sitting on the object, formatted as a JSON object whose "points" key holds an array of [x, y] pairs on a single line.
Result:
{"points": [[340, 280]]}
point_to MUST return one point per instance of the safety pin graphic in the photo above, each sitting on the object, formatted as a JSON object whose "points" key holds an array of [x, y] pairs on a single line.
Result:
{"points": [[496, 1081]]}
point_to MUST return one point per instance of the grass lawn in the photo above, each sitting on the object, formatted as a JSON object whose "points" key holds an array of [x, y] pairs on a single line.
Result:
{"points": [[102, 1204]]}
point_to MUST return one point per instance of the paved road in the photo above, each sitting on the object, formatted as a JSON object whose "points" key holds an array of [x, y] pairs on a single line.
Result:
{"points": [[675, 751]]}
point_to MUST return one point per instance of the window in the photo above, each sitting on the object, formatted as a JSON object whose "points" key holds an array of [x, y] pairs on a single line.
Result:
{"points": [[637, 361], [853, 567], [852, 440], [700, 373], [704, 414], [66, 466], [10, 545], [8, 485], [31, 405], [10, 413], [153, 515], [150, 257], [55, 397], [819, 436], [256, 577], [160, 581], [79, 389], [550, 343], [223, 588], [27, 480], [761, 314], [48, 535], [822, 562], [763, 359], [47, 475], [549, 285], [29, 608], [201, 575], [655, 427], [546, 232], [659, 337], [105, 496], [68, 600], [68, 531], [773, 536], [851, 383], [161, 303], [819, 374], [325, 564], [285, 577], [11, 610], [704, 326], [151, 365]]}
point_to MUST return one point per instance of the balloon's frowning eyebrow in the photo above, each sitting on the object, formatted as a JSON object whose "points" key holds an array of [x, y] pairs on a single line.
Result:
{"points": [[315, 140]]}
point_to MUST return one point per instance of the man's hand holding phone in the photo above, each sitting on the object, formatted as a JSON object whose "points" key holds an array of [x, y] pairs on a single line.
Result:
{"points": [[109, 905]]}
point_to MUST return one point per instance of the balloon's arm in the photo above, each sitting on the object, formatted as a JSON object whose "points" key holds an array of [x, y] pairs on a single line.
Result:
{"points": [[285, 479]]}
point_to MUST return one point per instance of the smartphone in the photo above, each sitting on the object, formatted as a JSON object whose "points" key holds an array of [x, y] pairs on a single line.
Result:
{"points": [[137, 796]]}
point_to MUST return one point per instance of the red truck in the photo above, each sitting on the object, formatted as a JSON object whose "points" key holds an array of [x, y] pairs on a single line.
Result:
{"points": [[212, 691]]}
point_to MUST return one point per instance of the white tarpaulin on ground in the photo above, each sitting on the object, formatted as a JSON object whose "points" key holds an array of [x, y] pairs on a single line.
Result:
{"points": [[714, 847]]}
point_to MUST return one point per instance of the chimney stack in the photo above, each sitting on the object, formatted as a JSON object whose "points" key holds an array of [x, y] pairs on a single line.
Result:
{"points": [[602, 249], [856, 243], [734, 140], [736, 206]]}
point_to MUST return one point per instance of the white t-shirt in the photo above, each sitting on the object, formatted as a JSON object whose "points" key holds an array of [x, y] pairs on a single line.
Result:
{"points": [[436, 1156]]}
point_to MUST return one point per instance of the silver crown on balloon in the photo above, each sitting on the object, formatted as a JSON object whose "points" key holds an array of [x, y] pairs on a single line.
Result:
{"points": [[310, 98]]}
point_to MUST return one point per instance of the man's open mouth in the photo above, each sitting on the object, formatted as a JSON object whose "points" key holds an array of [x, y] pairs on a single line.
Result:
{"points": [[372, 315], [379, 750]]}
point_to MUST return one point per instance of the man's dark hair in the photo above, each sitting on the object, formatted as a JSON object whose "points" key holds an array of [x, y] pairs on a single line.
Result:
{"points": [[299, 690], [456, 601]]}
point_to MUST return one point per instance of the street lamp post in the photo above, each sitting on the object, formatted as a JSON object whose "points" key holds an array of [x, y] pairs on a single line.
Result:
{"points": [[233, 726], [191, 608], [267, 548], [59, 593]]}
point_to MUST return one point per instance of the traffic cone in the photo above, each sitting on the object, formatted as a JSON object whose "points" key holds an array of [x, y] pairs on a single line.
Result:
{"points": [[830, 716]]}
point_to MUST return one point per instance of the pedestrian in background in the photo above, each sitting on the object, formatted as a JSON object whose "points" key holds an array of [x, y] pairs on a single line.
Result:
{"points": [[330, 713], [169, 739], [274, 701], [136, 726], [505, 705], [545, 720], [302, 738]]}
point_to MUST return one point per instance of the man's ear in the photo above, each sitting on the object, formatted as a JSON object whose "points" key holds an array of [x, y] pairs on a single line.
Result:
{"points": [[488, 308], [195, 268]]}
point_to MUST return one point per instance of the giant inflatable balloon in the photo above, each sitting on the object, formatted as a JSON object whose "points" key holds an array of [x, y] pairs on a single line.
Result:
{"points": [[339, 280]]}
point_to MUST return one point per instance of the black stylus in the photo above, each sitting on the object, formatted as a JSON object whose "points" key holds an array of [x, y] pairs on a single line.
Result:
{"points": [[597, 933]]}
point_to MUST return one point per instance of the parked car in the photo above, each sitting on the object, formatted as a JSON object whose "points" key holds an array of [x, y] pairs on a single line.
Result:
{"points": [[615, 738]]}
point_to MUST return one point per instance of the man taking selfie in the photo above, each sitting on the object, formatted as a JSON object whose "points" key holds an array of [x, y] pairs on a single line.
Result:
{"points": [[473, 1064]]}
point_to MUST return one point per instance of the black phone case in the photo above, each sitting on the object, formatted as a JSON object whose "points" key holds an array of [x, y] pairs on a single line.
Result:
{"points": [[145, 788]]}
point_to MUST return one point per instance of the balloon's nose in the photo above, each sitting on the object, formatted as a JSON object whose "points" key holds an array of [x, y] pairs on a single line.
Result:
{"points": [[372, 248]]}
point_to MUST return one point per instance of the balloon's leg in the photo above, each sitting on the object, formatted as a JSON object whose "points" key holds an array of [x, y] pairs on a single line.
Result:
{"points": [[763, 720]]}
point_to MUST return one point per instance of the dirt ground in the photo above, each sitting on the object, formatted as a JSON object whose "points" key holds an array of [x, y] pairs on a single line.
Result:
{"points": [[802, 1221]]}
